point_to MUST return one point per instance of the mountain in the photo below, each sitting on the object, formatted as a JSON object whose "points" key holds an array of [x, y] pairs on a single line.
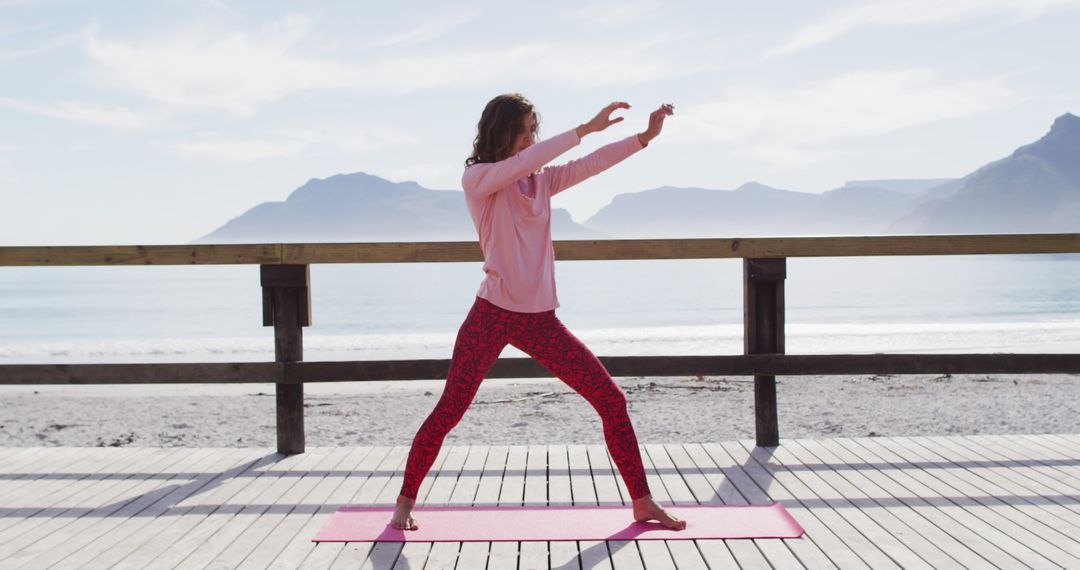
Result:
{"points": [[905, 186], [699, 212], [1035, 189], [756, 209], [362, 207]]}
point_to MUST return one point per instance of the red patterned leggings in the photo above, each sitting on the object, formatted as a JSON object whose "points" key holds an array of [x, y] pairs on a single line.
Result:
{"points": [[486, 331]]}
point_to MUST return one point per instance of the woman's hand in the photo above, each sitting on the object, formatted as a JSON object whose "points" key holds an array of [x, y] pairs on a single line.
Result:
{"points": [[602, 120], [656, 123]]}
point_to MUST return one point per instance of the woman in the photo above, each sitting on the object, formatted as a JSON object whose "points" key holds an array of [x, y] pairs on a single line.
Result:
{"points": [[509, 196]]}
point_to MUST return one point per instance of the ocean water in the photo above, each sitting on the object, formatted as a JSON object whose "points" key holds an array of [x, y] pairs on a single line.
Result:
{"points": [[962, 304]]}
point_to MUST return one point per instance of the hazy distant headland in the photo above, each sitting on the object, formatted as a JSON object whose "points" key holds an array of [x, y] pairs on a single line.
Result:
{"points": [[1035, 189]]}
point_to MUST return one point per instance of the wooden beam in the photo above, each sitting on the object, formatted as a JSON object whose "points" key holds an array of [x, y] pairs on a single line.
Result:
{"points": [[163, 373], [289, 297], [619, 366], [140, 255], [763, 333], [390, 252], [466, 251], [294, 278]]}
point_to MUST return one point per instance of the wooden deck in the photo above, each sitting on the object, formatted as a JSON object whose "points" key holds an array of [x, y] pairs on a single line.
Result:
{"points": [[912, 502]]}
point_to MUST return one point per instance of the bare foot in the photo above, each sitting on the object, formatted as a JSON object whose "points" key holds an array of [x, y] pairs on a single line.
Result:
{"points": [[646, 509], [402, 519]]}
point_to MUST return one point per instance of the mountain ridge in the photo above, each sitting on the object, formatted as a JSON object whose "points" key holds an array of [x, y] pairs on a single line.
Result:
{"points": [[1036, 188]]}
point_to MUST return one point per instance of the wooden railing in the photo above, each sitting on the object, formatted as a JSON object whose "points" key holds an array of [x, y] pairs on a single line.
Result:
{"points": [[286, 290]]}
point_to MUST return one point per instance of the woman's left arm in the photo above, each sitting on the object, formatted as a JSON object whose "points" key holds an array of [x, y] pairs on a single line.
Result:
{"points": [[564, 176]]}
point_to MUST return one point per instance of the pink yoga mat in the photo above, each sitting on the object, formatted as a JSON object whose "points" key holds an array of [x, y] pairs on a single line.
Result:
{"points": [[495, 524]]}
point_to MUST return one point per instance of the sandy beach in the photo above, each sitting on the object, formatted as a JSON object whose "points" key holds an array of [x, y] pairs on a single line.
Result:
{"points": [[533, 411]]}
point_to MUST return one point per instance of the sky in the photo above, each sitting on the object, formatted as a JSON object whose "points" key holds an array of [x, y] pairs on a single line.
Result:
{"points": [[157, 122]]}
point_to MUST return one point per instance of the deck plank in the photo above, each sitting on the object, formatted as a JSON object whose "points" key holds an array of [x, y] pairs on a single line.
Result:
{"points": [[843, 509], [100, 513], [1027, 466], [1035, 465], [1027, 495], [536, 475], [655, 553], [605, 476], [710, 486], [762, 485], [558, 474], [596, 553], [745, 481], [440, 555], [174, 521], [923, 539], [949, 501], [475, 554], [961, 545], [290, 479], [1060, 463], [194, 518], [360, 487], [469, 481], [302, 502], [49, 482], [500, 554], [1000, 513], [1064, 444], [684, 553], [48, 493], [512, 491], [947, 516], [258, 485], [27, 465], [445, 478], [567, 554], [358, 471], [982, 501], [381, 488], [534, 554]]}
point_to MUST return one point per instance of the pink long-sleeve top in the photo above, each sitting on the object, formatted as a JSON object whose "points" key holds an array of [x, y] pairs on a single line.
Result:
{"points": [[510, 204]]}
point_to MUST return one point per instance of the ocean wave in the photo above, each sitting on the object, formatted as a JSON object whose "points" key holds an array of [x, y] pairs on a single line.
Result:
{"points": [[801, 338]]}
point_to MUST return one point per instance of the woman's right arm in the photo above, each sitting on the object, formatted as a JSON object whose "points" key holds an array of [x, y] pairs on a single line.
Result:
{"points": [[484, 178]]}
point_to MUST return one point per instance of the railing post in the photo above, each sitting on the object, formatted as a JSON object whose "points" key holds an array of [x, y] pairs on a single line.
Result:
{"points": [[763, 333], [287, 306]]}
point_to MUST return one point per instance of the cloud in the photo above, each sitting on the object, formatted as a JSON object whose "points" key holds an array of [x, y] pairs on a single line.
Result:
{"points": [[611, 15], [427, 31], [910, 13], [201, 69], [8, 176], [598, 66], [786, 156], [437, 176], [348, 140], [79, 112], [238, 72], [236, 150], [367, 138], [791, 124], [45, 46]]}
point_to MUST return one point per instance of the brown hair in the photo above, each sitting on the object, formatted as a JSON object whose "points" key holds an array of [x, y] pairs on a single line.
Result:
{"points": [[499, 127]]}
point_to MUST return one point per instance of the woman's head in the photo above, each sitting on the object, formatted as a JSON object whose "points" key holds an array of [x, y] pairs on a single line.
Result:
{"points": [[507, 126]]}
